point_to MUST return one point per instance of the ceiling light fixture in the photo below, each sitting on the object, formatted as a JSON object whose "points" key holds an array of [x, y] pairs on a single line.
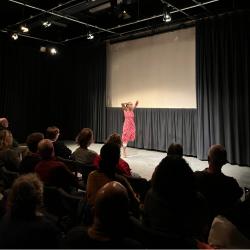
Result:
{"points": [[166, 14], [53, 51], [90, 35], [24, 28], [14, 36], [46, 23]]}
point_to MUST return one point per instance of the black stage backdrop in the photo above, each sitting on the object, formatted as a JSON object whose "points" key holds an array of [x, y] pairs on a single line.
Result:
{"points": [[38, 90], [157, 128], [222, 75]]}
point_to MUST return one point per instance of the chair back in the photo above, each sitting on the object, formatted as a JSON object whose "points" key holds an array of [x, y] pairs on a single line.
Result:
{"points": [[85, 170], [9, 176], [69, 163], [150, 238], [139, 185]]}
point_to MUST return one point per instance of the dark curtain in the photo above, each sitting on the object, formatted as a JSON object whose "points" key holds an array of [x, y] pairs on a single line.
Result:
{"points": [[38, 90], [157, 128], [222, 82]]}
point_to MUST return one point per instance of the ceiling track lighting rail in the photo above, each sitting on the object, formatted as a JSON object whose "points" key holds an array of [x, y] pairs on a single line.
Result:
{"points": [[59, 15], [142, 20], [201, 5], [179, 10]]}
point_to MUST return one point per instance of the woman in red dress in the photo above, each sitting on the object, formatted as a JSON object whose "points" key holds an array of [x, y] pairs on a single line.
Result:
{"points": [[129, 124]]}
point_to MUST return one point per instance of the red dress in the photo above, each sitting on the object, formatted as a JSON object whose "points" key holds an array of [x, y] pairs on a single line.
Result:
{"points": [[128, 127]]}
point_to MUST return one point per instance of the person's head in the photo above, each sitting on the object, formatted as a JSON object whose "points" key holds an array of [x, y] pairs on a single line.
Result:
{"points": [[85, 138], [115, 138], [175, 149], [6, 139], [45, 148], [33, 140], [26, 195], [217, 156], [111, 208], [174, 178], [110, 155], [52, 133], [129, 105], [4, 122]]}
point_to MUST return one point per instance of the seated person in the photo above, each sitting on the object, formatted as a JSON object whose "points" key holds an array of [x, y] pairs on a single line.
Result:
{"points": [[4, 124], [219, 190], [60, 148], [83, 154], [23, 227], [231, 229], [173, 205], [110, 155], [122, 167], [8, 157], [32, 158], [111, 213], [52, 172]]}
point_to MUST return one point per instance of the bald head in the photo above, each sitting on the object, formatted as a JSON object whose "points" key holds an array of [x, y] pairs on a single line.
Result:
{"points": [[45, 148], [217, 156], [175, 149]]}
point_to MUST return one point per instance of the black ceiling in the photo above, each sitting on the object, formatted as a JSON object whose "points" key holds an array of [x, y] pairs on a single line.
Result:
{"points": [[69, 32]]}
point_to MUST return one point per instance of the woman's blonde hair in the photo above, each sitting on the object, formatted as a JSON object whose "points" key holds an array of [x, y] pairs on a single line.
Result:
{"points": [[85, 138], [6, 139], [115, 138], [25, 196]]}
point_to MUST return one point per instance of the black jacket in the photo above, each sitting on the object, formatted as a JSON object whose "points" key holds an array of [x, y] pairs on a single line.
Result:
{"points": [[61, 149]]}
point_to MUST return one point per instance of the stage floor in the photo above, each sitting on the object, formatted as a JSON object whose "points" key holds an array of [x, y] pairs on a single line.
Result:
{"points": [[143, 162]]}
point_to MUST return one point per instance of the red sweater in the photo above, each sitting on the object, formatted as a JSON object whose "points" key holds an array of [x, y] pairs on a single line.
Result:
{"points": [[121, 167]]}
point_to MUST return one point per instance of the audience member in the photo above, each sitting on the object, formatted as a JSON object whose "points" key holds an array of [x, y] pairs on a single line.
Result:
{"points": [[111, 213], [8, 157], [31, 159], [219, 190], [83, 154], [4, 124], [60, 148], [23, 227], [110, 155], [53, 172], [174, 149], [173, 205], [122, 167]]}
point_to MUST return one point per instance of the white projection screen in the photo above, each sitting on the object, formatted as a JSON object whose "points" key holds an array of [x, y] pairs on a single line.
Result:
{"points": [[159, 71]]}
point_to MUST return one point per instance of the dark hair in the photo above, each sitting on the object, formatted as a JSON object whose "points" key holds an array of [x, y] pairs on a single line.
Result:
{"points": [[52, 132], [174, 177], [110, 155], [115, 138], [33, 140], [175, 149], [85, 138]]}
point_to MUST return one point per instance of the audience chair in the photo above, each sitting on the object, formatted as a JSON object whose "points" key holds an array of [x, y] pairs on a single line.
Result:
{"points": [[9, 177], [69, 163], [139, 185], [85, 170], [152, 239]]}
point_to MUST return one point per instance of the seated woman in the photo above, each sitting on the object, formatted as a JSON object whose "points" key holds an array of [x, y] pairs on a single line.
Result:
{"points": [[22, 226], [32, 158], [8, 157], [173, 205], [83, 154], [60, 148], [122, 166], [110, 155]]}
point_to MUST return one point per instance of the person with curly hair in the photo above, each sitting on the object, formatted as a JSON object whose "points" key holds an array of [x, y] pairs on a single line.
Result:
{"points": [[8, 157], [23, 227], [83, 154]]}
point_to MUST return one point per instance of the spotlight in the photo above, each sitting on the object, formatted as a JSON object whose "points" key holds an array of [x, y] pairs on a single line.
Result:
{"points": [[166, 14], [53, 51], [24, 28], [46, 23], [90, 35], [14, 36]]}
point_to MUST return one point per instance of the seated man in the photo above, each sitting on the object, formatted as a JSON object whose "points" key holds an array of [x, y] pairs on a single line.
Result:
{"points": [[52, 172], [219, 190], [32, 158], [111, 213], [60, 148], [4, 124]]}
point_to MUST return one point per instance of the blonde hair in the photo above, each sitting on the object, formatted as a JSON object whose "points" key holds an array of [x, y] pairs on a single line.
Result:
{"points": [[85, 138], [6, 139], [115, 138], [25, 195]]}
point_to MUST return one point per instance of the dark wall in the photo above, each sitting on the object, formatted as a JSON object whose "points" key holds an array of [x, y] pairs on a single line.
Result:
{"points": [[67, 90]]}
